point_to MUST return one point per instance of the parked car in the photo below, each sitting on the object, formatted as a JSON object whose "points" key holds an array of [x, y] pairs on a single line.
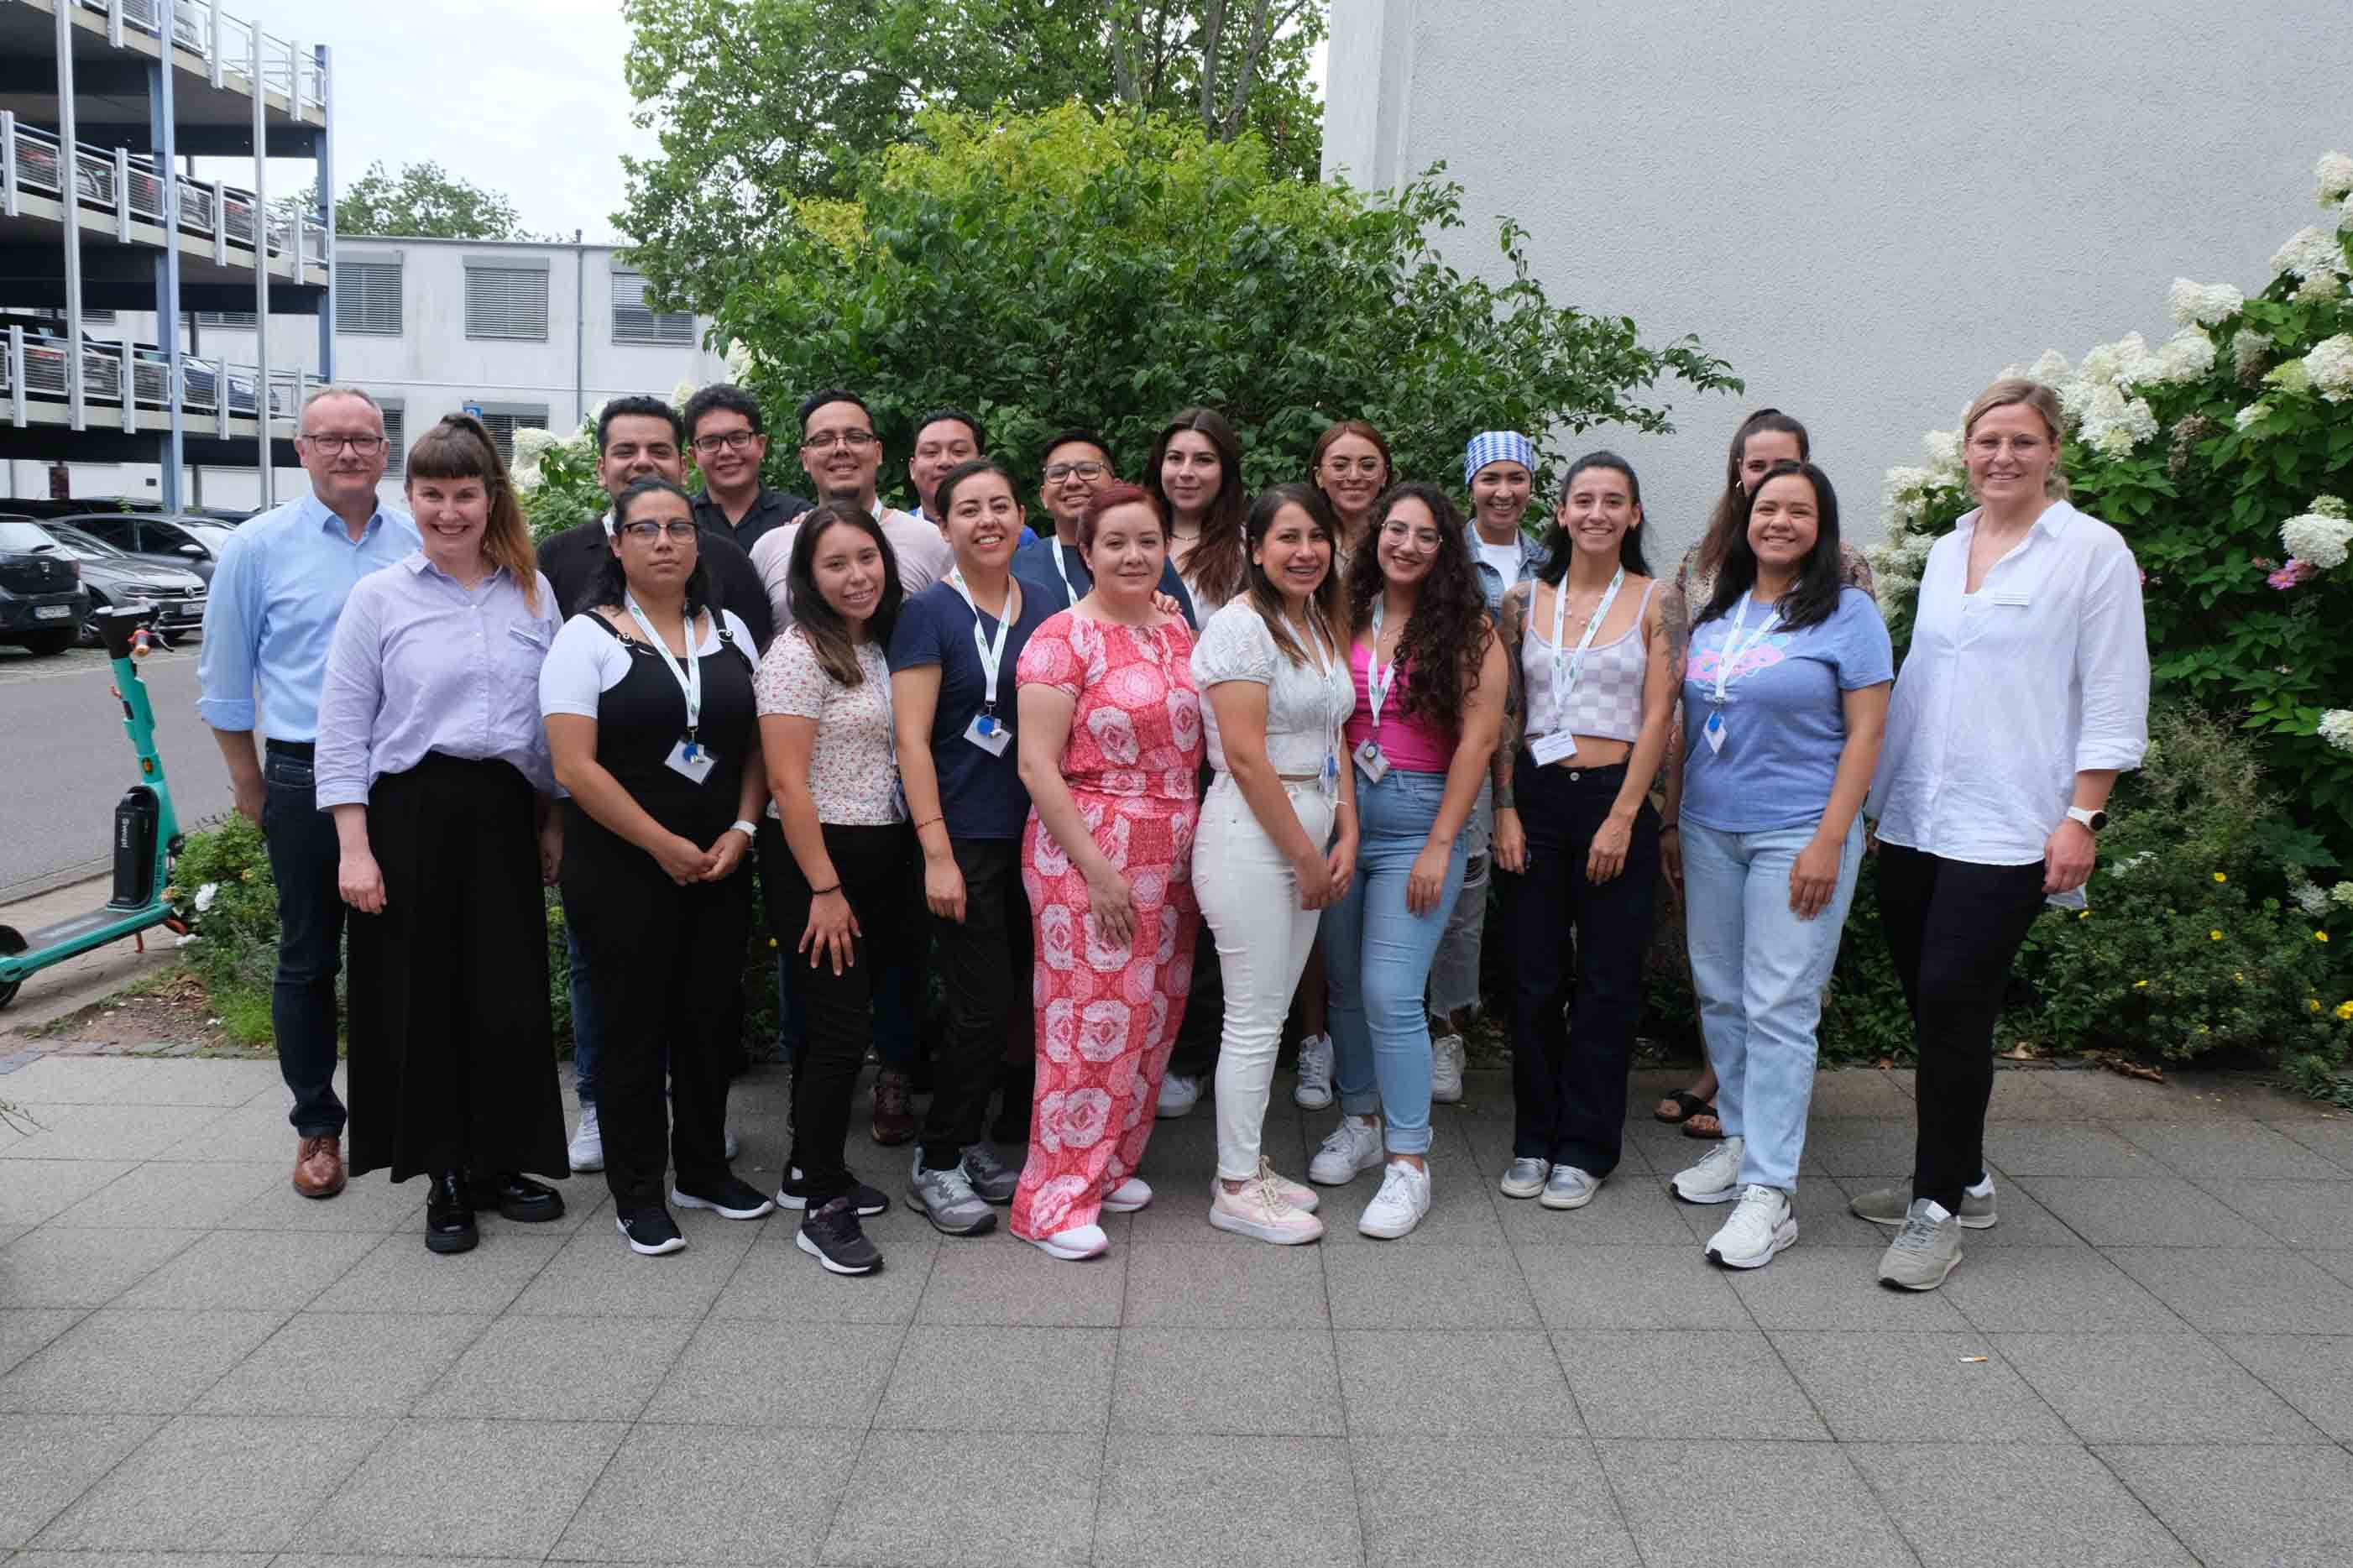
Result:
{"points": [[112, 577], [190, 543], [43, 605]]}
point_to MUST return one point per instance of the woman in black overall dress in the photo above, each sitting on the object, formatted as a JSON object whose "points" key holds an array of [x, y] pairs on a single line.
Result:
{"points": [[660, 754]]}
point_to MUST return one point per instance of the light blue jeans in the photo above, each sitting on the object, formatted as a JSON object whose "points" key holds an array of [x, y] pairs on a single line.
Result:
{"points": [[1759, 972], [1377, 958]]}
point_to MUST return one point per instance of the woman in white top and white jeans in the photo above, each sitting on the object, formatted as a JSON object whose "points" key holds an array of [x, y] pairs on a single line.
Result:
{"points": [[2024, 694], [1267, 859]]}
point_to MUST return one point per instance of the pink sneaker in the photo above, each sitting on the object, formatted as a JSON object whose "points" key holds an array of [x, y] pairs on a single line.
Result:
{"points": [[1259, 1211], [1299, 1196]]}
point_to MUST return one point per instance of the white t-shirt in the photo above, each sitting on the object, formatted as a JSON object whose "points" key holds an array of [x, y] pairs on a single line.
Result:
{"points": [[923, 554], [1505, 558], [587, 660]]}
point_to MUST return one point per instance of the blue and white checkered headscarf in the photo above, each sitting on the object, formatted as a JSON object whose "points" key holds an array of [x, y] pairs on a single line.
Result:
{"points": [[1497, 446]]}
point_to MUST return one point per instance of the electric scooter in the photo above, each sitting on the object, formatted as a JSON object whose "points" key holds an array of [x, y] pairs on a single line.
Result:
{"points": [[146, 829]]}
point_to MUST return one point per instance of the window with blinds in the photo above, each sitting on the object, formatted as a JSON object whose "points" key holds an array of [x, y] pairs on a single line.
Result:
{"points": [[367, 299], [395, 439], [225, 318], [503, 426], [633, 323], [506, 302]]}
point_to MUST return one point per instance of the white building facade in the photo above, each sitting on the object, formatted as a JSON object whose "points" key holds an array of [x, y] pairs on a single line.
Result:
{"points": [[1869, 209]]}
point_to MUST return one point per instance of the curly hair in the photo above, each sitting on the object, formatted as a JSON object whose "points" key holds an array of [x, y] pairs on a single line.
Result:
{"points": [[1446, 638]]}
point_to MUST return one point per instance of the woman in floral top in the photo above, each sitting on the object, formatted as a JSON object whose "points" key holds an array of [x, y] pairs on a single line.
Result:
{"points": [[1110, 744]]}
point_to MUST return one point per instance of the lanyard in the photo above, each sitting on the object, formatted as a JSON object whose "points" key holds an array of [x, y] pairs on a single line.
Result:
{"points": [[688, 679], [1377, 685], [992, 654], [1561, 659], [1054, 549], [1734, 645]]}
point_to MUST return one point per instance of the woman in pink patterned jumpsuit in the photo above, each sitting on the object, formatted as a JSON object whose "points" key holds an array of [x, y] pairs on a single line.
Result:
{"points": [[1111, 744]]}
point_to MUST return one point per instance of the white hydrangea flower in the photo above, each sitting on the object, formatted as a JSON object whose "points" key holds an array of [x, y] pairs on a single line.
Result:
{"points": [[2311, 900], [2334, 175], [2051, 369], [2187, 355], [527, 477], [2252, 412], [681, 392], [2345, 216], [2336, 729], [530, 443], [2341, 895], [739, 360], [1943, 449], [2202, 304], [2130, 862], [2309, 251], [2248, 349], [2331, 506], [1894, 590], [2318, 540], [2329, 367], [2117, 362], [2075, 395], [2320, 289], [2114, 424]]}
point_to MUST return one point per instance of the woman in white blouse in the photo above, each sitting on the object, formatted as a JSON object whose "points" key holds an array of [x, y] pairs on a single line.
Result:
{"points": [[1278, 836], [837, 862], [2024, 695]]}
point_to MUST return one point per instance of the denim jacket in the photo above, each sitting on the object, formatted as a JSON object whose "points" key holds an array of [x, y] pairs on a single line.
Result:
{"points": [[1491, 583]]}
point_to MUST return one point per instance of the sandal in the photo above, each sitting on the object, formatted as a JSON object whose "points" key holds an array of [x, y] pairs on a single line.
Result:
{"points": [[1687, 1105], [1713, 1131]]}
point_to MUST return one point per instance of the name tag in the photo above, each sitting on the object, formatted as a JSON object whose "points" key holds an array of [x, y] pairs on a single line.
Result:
{"points": [[2013, 601], [1370, 763], [1550, 749], [990, 735], [691, 763], [1713, 731]]}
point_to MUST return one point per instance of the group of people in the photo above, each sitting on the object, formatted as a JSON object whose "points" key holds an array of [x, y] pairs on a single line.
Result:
{"points": [[1186, 759]]}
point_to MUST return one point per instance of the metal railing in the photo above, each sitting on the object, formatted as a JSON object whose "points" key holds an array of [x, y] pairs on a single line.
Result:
{"points": [[126, 185], [33, 367], [224, 42]]}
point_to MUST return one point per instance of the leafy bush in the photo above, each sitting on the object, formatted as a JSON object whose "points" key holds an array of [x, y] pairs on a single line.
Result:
{"points": [[221, 885]]}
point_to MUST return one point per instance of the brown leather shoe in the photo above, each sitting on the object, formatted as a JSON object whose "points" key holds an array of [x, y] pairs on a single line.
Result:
{"points": [[894, 1112], [319, 1167]]}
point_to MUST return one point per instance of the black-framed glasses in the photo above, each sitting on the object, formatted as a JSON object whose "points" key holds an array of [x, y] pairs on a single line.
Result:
{"points": [[725, 441], [681, 530], [826, 441], [335, 446], [1056, 472]]}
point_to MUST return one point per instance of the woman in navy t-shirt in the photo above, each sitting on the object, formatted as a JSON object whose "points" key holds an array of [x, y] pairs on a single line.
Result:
{"points": [[1785, 701]]}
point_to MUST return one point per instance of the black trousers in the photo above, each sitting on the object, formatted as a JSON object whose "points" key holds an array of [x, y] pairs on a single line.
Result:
{"points": [[984, 962], [665, 962], [837, 1010], [303, 855], [453, 1053], [1568, 1087], [1953, 930]]}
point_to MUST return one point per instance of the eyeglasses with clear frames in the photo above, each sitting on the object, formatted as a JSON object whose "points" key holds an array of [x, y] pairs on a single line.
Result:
{"points": [[1406, 533], [334, 446], [826, 440], [1056, 472], [679, 530]]}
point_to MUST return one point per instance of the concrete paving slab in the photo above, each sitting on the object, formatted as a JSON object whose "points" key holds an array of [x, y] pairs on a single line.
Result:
{"points": [[1427, 1288], [2069, 1149], [950, 1379], [557, 1369], [108, 1130], [456, 1489], [597, 1273], [2245, 1507], [754, 1374], [52, 1267], [118, 1362], [2223, 1291], [2312, 1371], [1452, 1383], [1837, 1287], [1697, 1385], [51, 1460], [399, 1274], [2152, 1388], [1250, 1382], [780, 1283], [1229, 1281], [1876, 1387], [1999, 1505], [24, 1330], [2060, 1289], [175, 1195], [2204, 1151], [2146, 1211], [2304, 1214], [1487, 1502], [951, 1498], [343, 1364], [1201, 1502], [710, 1494], [1624, 1287], [1001, 1279], [37, 1189], [238, 1483], [1802, 1504], [252, 1270]]}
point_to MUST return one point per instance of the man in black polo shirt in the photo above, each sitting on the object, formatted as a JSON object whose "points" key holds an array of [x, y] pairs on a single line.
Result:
{"points": [[729, 438]]}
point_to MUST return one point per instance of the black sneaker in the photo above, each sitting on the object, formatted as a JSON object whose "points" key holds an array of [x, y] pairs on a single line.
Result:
{"points": [[831, 1235], [650, 1232], [730, 1197], [793, 1193]]}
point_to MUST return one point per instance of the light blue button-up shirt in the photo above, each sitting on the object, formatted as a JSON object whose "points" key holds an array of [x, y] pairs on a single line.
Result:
{"points": [[271, 618]]}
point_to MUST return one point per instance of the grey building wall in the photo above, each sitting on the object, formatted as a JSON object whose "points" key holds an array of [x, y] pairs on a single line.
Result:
{"points": [[1869, 206]]}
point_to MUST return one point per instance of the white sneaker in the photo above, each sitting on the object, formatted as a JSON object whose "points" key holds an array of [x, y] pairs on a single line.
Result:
{"points": [[1526, 1177], [1446, 1069], [1258, 1211], [1178, 1095], [1398, 1207], [1302, 1198], [1070, 1246], [1352, 1148], [1762, 1224], [733, 1148], [1127, 1197], [1716, 1178], [1314, 1090], [1567, 1187], [587, 1152]]}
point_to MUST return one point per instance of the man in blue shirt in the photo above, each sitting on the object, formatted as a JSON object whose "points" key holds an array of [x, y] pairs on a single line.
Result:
{"points": [[277, 592]]}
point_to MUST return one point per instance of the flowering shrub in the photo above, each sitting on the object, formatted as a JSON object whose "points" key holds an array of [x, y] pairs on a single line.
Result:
{"points": [[2225, 457]]}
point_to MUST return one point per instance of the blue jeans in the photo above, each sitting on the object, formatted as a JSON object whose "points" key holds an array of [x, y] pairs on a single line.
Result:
{"points": [[1759, 972], [303, 855], [1377, 958]]}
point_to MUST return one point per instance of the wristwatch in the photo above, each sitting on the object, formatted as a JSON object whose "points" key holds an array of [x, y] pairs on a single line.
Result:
{"points": [[2095, 820], [746, 829]]}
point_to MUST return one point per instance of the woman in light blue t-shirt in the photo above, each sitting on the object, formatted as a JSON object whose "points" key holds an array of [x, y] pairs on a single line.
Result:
{"points": [[1785, 701]]}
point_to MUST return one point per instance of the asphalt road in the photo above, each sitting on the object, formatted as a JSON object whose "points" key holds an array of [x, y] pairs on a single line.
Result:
{"points": [[64, 761]]}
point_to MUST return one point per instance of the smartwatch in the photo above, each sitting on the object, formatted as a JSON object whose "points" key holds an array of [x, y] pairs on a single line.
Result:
{"points": [[2095, 820]]}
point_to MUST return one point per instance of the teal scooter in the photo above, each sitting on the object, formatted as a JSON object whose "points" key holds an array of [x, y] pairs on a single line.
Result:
{"points": [[146, 828]]}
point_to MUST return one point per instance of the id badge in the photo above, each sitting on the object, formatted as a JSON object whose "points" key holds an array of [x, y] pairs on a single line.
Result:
{"points": [[1370, 763], [899, 798], [1327, 778], [695, 768], [1713, 731], [990, 735], [1550, 749]]}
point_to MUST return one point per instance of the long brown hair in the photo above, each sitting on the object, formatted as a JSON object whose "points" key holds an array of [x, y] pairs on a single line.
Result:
{"points": [[818, 621], [460, 447], [1730, 519], [1324, 607], [1445, 641], [1218, 562]]}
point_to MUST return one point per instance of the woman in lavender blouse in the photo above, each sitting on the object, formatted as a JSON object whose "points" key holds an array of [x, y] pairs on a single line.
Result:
{"points": [[432, 758]]}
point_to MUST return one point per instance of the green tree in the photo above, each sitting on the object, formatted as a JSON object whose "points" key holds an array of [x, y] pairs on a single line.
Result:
{"points": [[1070, 268], [759, 103], [424, 200]]}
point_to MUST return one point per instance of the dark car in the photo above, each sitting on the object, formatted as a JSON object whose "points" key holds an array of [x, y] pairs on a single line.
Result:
{"points": [[111, 577], [191, 543], [43, 605]]}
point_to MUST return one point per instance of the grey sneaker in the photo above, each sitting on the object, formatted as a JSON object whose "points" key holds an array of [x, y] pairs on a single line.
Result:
{"points": [[948, 1201], [1889, 1206], [1716, 1178], [1569, 1188], [1926, 1250], [1526, 1177], [991, 1177]]}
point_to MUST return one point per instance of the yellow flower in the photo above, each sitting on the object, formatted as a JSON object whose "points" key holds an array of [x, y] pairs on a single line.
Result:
{"points": [[2220, 877], [2345, 1012], [2312, 1003], [2214, 935], [2238, 979], [2140, 985], [2320, 936], [2082, 914]]}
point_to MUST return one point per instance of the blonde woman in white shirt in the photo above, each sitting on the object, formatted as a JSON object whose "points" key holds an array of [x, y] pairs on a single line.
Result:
{"points": [[2025, 693], [1278, 838]]}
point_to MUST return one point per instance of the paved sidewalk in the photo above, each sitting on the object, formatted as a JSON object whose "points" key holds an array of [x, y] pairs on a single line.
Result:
{"points": [[2149, 1362]]}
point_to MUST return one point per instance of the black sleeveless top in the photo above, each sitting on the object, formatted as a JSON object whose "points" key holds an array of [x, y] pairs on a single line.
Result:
{"points": [[640, 720]]}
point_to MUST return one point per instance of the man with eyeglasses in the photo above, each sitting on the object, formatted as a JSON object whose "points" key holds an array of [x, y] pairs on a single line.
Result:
{"points": [[1077, 464], [729, 438], [844, 458], [277, 592]]}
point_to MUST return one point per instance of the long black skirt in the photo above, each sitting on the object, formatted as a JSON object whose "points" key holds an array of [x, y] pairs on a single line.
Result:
{"points": [[452, 1050]]}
